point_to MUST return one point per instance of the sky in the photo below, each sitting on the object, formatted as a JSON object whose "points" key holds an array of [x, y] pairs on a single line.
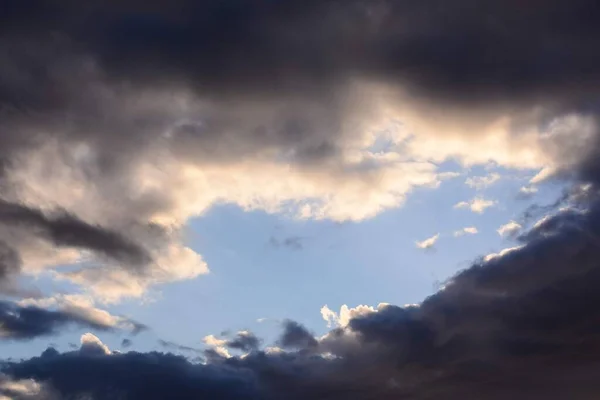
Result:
{"points": [[300, 199]]}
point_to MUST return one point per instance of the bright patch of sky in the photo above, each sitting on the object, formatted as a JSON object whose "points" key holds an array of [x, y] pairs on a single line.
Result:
{"points": [[255, 257]]}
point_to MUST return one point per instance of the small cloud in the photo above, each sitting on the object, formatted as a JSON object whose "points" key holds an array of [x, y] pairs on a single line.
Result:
{"points": [[469, 230], [526, 192], [217, 345], [510, 229], [125, 343], [428, 243], [543, 175], [481, 182], [477, 205], [292, 242], [91, 344]]}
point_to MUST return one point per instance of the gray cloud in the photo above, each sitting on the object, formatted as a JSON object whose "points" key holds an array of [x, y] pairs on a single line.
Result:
{"points": [[296, 336], [65, 230], [244, 341], [21, 323]]}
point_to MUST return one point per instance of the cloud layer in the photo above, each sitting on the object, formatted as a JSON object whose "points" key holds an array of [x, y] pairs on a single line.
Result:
{"points": [[120, 121]]}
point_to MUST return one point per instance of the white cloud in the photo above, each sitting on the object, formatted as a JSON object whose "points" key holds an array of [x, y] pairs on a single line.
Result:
{"points": [[470, 230], [509, 229], [218, 345], [91, 343], [481, 182], [527, 191], [477, 205], [502, 253], [342, 319], [428, 243]]}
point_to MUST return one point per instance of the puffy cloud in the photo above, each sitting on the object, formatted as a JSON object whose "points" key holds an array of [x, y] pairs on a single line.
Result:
{"points": [[481, 182], [477, 205], [469, 230], [91, 344], [526, 192], [428, 243], [510, 229]]}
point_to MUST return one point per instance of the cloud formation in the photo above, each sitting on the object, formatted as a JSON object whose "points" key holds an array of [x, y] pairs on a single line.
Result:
{"points": [[477, 205], [120, 118], [22, 322], [428, 243], [481, 182], [118, 127], [469, 230], [510, 229]]}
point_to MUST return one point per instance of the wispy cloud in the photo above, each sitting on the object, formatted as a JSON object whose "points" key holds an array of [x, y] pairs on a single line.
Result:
{"points": [[481, 182], [526, 192], [477, 205], [469, 230]]}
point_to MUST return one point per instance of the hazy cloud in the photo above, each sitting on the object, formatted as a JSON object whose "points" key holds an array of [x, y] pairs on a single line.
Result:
{"points": [[469, 230], [481, 182]]}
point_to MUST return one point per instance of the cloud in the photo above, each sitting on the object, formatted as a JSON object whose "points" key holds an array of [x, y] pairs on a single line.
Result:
{"points": [[91, 344], [509, 229], [526, 192], [137, 138], [469, 230], [477, 205], [19, 389], [292, 242], [106, 135], [83, 307], [428, 243], [296, 336], [244, 341], [481, 182], [23, 322]]}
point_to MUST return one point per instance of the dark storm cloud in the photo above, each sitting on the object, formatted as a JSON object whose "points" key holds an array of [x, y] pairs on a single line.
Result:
{"points": [[465, 50], [27, 322], [65, 230]]}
